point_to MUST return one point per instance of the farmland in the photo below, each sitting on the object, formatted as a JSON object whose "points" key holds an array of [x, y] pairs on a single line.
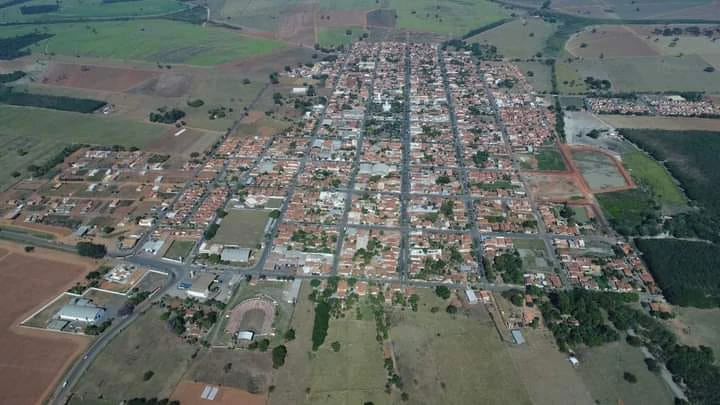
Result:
{"points": [[435, 362], [117, 372], [148, 40], [620, 9], [35, 131], [34, 361], [651, 174], [518, 38], [94, 8], [664, 123], [329, 37], [453, 16]]}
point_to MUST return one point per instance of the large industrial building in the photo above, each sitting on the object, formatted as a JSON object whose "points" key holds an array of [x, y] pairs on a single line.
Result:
{"points": [[81, 310]]}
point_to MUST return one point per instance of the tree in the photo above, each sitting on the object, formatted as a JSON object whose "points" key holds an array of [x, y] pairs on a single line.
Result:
{"points": [[263, 345], [148, 375], [451, 309], [88, 249], [442, 292], [335, 346], [652, 365], [275, 214], [29, 249], [630, 377], [315, 283], [278, 356], [290, 334]]}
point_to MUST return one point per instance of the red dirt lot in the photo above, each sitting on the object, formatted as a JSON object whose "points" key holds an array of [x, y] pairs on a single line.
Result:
{"points": [[95, 77], [188, 393], [33, 361]]}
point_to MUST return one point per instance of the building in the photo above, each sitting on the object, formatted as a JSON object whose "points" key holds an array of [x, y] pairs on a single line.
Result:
{"points": [[245, 335], [200, 287], [235, 255], [517, 336], [471, 297], [81, 310]]}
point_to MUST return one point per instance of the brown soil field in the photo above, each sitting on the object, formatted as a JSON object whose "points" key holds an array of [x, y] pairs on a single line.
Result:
{"points": [[554, 187], [668, 123], [382, 18], [188, 393], [612, 41], [32, 360], [341, 18], [95, 77], [164, 85], [298, 28]]}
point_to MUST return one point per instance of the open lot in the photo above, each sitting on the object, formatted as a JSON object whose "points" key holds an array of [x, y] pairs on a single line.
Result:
{"points": [[146, 345], [179, 249], [602, 368], [33, 361], [249, 371], [160, 41], [93, 8], [518, 38], [609, 41], [599, 171], [436, 363], [244, 228], [553, 188], [538, 74]]}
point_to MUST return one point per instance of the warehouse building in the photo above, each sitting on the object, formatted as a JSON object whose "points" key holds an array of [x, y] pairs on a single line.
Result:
{"points": [[81, 310]]}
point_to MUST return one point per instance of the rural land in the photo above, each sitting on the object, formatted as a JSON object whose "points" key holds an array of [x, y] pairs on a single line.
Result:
{"points": [[359, 202]]}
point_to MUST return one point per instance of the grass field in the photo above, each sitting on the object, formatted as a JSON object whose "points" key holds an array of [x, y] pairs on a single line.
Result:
{"points": [[244, 228], [650, 173], [42, 133], [92, 8], [602, 371], [626, 210], [179, 249], [146, 345], [519, 38], [456, 359], [666, 123], [695, 326], [453, 16], [148, 40], [541, 76], [550, 159], [329, 37]]}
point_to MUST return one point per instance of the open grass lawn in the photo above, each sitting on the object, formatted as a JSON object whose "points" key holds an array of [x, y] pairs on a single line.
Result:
{"points": [[93, 8], [453, 16], [652, 174], [602, 371], [179, 249], [551, 160], [519, 38], [453, 359], [148, 40], [329, 37], [43, 133], [244, 228], [146, 345]]}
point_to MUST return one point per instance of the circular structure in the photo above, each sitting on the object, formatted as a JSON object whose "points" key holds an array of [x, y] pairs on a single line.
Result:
{"points": [[254, 314]]}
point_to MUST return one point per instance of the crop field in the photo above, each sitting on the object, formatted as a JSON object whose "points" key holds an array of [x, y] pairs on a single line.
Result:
{"points": [[436, 363], [245, 228], [35, 131], [602, 368], [146, 345], [599, 171], [148, 40], [329, 37], [93, 8], [653, 175], [453, 16], [33, 361], [646, 9], [519, 38]]}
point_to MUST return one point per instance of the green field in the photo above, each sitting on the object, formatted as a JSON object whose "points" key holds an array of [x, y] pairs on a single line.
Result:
{"points": [[146, 345], [453, 359], [538, 74], [630, 212], [42, 133], [453, 16], [550, 160], [653, 175], [330, 37], [92, 8], [244, 228], [695, 326], [147, 40], [602, 371], [179, 249], [519, 38]]}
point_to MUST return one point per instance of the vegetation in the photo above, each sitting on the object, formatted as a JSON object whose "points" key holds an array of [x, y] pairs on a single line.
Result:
{"points": [[89, 249], [687, 272], [11, 3], [11, 77], [509, 265], [39, 171], [278, 356], [652, 176], [631, 212], [62, 103], [211, 231], [442, 292], [14, 47], [167, 117], [39, 9], [550, 160], [321, 324]]}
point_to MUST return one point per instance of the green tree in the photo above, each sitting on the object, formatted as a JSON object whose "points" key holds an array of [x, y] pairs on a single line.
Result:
{"points": [[278, 356], [442, 292], [335, 346]]}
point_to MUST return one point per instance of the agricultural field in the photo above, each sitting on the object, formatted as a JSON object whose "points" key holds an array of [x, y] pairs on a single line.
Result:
{"points": [[651, 174], [146, 345], [160, 41], [518, 38], [330, 37], [436, 363], [35, 131], [602, 368], [448, 17], [621, 9], [93, 8], [665, 123], [33, 361]]}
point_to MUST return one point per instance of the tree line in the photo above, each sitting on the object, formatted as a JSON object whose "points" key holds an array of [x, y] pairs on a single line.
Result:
{"points": [[14, 47], [62, 103]]}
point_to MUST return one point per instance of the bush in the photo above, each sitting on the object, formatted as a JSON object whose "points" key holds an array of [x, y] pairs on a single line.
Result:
{"points": [[630, 377], [290, 335], [278, 356], [451, 309], [652, 365], [335, 346], [167, 117], [442, 292], [88, 249], [148, 375], [195, 103]]}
